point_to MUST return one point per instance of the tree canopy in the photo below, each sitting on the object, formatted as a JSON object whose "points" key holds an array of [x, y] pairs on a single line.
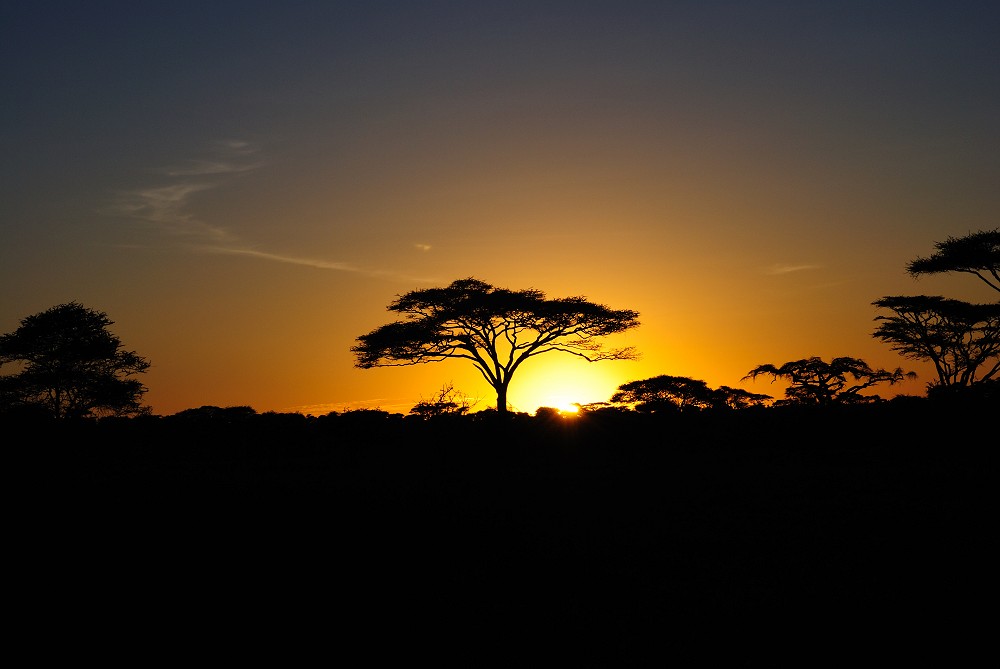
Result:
{"points": [[960, 339], [977, 253], [71, 366], [496, 329], [672, 393], [817, 382]]}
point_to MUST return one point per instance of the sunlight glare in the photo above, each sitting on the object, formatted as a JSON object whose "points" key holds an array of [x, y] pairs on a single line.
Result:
{"points": [[566, 405], [562, 384]]}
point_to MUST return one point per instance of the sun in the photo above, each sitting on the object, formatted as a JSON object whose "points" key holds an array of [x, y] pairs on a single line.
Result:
{"points": [[564, 404], [562, 385]]}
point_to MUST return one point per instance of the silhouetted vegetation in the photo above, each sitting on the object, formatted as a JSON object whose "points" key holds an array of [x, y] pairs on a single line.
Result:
{"points": [[678, 393], [589, 533], [960, 339], [813, 381], [70, 366], [673, 504], [977, 253], [494, 328], [448, 401]]}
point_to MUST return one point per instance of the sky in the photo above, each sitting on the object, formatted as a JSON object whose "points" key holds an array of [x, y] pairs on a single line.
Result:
{"points": [[243, 187]]}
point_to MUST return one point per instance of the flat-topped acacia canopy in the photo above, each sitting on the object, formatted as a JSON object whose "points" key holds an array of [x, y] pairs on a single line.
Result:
{"points": [[496, 329]]}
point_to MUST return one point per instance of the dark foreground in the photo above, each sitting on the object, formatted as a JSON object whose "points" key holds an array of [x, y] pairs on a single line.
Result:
{"points": [[603, 542]]}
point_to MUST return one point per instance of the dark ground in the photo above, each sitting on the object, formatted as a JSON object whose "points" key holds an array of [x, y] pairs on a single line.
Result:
{"points": [[601, 542]]}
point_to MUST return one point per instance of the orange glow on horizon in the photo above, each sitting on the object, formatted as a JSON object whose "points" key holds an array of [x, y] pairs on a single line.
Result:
{"points": [[750, 214], [564, 382]]}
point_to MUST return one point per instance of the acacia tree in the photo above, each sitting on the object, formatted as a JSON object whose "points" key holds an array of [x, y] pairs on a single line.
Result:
{"points": [[680, 392], [960, 339], [977, 253], [71, 366], [494, 328], [840, 381]]}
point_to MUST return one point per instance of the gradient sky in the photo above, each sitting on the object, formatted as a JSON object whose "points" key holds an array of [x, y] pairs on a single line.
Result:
{"points": [[244, 186]]}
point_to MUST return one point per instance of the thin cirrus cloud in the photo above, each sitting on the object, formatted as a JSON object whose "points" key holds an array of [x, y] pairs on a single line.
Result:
{"points": [[208, 167], [318, 264], [292, 260], [789, 269], [168, 207], [229, 157]]}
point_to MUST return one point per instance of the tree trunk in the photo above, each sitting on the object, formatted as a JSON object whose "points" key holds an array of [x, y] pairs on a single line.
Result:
{"points": [[501, 398]]}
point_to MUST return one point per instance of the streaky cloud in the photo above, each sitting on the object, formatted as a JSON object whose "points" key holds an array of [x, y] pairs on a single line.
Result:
{"points": [[789, 269], [315, 263], [422, 247], [292, 260], [240, 147], [208, 168], [165, 206], [231, 157], [159, 202]]}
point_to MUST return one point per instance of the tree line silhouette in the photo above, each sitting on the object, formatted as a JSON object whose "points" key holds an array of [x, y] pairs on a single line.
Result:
{"points": [[494, 536], [69, 365]]}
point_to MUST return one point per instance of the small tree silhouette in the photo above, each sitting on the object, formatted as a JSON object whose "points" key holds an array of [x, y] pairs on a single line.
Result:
{"points": [[447, 401], [814, 381], [672, 393], [71, 366]]}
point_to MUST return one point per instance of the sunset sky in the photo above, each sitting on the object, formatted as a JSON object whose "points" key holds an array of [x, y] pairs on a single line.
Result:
{"points": [[244, 186]]}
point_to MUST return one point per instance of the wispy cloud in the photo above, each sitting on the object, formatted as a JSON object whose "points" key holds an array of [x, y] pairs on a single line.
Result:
{"points": [[318, 264], [168, 207], [422, 247], [308, 262], [228, 157], [788, 269], [208, 167], [241, 147], [801, 283]]}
